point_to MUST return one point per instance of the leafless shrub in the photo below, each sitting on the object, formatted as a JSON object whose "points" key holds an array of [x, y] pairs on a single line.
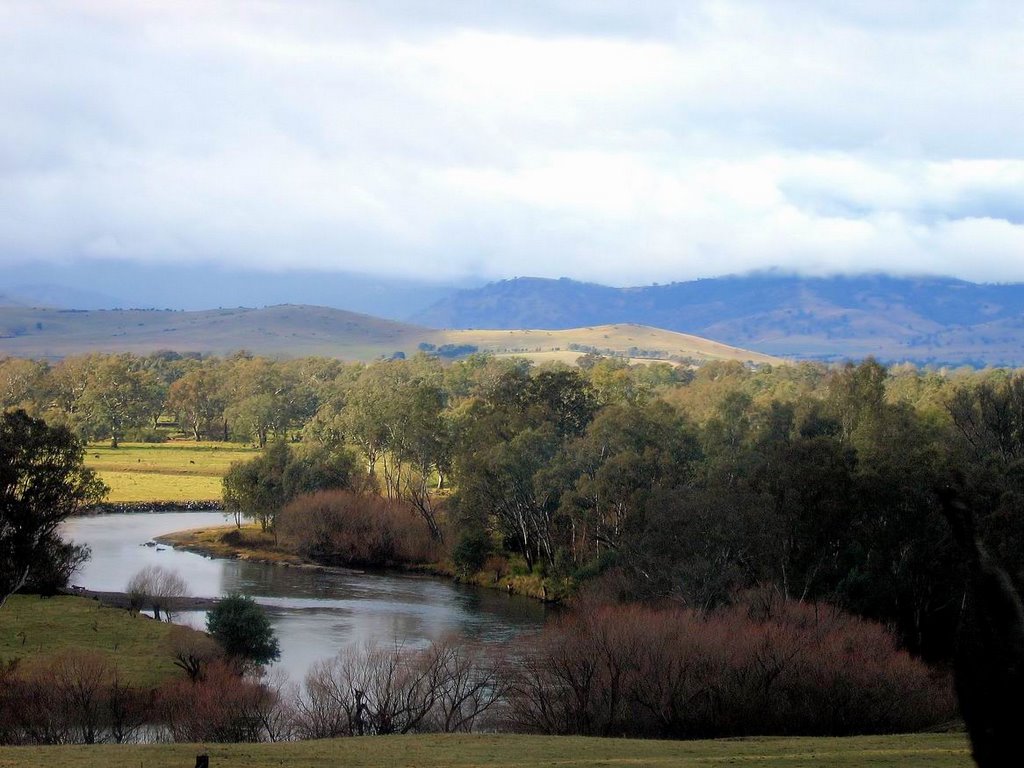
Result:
{"points": [[346, 528], [222, 707], [446, 687], [77, 697], [193, 651], [158, 587]]}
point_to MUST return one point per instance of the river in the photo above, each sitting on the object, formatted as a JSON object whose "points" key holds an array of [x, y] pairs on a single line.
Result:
{"points": [[315, 613]]}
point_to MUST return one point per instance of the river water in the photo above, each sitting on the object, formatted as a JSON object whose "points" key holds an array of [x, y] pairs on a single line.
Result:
{"points": [[315, 613]]}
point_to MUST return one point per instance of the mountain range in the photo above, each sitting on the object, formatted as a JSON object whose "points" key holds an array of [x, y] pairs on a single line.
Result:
{"points": [[922, 319], [937, 320]]}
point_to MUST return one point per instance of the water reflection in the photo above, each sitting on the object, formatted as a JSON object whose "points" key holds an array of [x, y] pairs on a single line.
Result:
{"points": [[315, 613]]}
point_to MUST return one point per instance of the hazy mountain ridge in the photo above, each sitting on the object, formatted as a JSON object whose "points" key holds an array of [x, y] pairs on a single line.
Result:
{"points": [[110, 284], [925, 319]]}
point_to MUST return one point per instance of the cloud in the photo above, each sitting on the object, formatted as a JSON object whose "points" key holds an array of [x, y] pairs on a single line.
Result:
{"points": [[604, 140]]}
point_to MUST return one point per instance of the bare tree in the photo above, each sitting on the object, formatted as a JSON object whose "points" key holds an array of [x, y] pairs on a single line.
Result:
{"points": [[390, 689], [158, 587]]}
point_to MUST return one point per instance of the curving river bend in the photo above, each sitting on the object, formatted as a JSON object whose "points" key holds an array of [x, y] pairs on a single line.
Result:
{"points": [[315, 613]]}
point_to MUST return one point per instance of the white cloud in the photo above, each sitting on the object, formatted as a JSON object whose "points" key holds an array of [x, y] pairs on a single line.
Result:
{"points": [[593, 139]]}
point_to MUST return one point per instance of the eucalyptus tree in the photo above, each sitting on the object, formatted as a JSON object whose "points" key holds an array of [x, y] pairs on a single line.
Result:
{"points": [[23, 384], [197, 400], [120, 394]]}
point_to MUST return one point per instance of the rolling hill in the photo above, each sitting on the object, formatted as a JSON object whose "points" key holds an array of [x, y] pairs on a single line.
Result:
{"points": [[286, 330], [298, 330], [924, 319]]}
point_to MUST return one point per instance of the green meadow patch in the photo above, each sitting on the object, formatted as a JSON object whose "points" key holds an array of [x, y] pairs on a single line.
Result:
{"points": [[174, 471], [34, 629]]}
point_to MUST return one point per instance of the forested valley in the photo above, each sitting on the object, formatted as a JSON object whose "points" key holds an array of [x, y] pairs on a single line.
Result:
{"points": [[725, 504]]}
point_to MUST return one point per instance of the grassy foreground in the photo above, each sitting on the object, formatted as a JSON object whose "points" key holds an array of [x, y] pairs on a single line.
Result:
{"points": [[933, 750], [177, 471], [32, 629]]}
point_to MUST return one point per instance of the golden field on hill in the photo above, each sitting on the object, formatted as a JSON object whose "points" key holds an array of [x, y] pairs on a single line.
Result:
{"points": [[619, 338]]}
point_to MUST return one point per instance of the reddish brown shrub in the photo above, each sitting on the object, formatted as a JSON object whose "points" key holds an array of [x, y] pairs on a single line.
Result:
{"points": [[346, 528], [76, 697], [787, 668], [221, 707]]}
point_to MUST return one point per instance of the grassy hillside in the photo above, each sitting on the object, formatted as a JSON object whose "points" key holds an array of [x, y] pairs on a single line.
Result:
{"points": [[286, 330], [295, 331], [178, 471], [34, 628], [928, 751], [554, 344]]}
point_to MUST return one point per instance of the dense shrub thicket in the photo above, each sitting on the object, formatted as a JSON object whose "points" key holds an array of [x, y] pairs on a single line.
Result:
{"points": [[762, 666], [345, 528]]}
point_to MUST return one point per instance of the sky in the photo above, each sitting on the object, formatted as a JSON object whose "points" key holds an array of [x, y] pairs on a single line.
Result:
{"points": [[623, 142]]}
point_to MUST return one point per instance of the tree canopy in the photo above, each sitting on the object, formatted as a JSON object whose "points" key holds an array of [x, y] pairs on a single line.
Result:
{"points": [[243, 630], [42, 482]]}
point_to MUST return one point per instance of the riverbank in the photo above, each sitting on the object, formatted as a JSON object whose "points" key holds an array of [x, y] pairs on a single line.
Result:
{"points": [[122, 601], [138, 507], [488, 751], [252, 544], [245, 543]]}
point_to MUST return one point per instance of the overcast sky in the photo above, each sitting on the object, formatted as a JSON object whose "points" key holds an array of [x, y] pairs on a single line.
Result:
{"points": [[624, 142]]}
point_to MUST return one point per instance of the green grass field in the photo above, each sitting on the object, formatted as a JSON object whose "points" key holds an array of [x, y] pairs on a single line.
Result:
{"points": [[177, 471], [930, 751], [34, 628]]}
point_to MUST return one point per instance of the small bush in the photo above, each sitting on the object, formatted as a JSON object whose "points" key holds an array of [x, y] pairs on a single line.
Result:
{"points": [[471, 551], [241, 627]]}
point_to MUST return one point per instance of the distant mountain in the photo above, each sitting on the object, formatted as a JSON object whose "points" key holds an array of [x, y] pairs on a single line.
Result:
{"points": [[108, 284], [286, 331], [296, 331], [924, 319]]}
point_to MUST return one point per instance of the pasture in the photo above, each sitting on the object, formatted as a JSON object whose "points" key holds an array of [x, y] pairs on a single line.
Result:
{"points": [[486, 751], [174, 471], [33, 629]]}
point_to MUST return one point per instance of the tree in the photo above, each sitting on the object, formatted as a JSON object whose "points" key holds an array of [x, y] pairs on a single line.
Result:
{"points": [[42, 481], [259, 488], [195, 399], [243, 630], [121, 395], [22, 384], [158, 586], [255, 488], [263, 398]]}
